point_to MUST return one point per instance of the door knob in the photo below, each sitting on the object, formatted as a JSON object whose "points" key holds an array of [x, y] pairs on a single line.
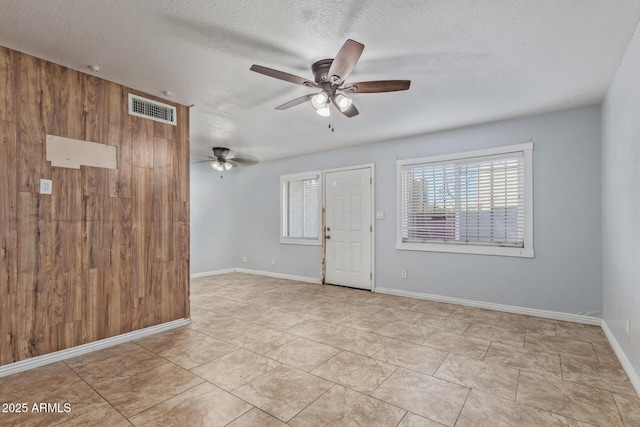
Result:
{"points": [[327, 237]]}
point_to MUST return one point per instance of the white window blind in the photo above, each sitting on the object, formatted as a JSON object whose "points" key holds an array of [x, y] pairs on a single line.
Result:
{"points": [[472, 201], [300, 207]]}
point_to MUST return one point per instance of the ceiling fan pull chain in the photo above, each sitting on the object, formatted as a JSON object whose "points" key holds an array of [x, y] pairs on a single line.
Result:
{"points": [[330, 115]]}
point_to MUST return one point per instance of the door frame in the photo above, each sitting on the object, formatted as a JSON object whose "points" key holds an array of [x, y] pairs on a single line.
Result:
{"points": [[370, 166]]}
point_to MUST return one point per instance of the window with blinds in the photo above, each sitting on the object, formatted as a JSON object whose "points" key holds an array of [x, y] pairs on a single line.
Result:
{"points": [[300, 208], [465, 200]]}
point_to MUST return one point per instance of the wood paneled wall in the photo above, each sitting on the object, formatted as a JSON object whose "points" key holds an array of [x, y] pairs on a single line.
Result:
{"points": [[108, 251]]}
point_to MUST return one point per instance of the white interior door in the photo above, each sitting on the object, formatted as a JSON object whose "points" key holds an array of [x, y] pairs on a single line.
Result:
{"points": [[348, 236]]}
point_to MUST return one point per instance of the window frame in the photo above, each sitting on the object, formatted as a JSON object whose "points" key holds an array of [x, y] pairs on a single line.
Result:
{"points": [[317, 241], [470, 248]]}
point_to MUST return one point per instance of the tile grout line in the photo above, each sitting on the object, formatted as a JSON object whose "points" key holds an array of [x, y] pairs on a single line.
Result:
{"points": [[169, 398], [311, 403], [615, 402], [98, 393], [462, 407], [515, 399], [244, 413]]}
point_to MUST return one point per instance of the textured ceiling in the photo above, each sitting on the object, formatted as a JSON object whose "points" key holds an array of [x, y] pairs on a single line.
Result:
{"points": [[470, 61]]}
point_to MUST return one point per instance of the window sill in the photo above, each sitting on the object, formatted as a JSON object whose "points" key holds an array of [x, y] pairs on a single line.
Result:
{"points": [[466, 249], [307, 242]]}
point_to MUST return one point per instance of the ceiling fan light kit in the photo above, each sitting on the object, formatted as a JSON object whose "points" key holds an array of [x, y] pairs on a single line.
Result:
{"points": [[330, 76], [221, 166], [319, 100], [343, 102], [324, 111]]}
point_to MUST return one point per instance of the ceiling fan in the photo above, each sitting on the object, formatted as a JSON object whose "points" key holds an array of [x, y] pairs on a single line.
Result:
{"points": [[223, 161], [329, 76]]}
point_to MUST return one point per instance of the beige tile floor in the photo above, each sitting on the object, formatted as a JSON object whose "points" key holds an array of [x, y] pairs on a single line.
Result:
{"points": [[271, 352]]}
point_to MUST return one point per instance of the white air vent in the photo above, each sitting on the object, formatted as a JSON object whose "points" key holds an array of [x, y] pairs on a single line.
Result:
{"points": [[154, 110]]}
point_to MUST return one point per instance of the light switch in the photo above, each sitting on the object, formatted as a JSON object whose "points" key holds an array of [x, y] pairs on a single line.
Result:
{"points": [[45, 186], [379, 214]]}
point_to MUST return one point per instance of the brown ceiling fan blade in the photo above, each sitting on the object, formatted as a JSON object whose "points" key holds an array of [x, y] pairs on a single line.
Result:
{"points": [[282, 76], [377, 86], [203, 161], [294, 102], [345, 60], [243, 161], [349, 112], [209, 158]]}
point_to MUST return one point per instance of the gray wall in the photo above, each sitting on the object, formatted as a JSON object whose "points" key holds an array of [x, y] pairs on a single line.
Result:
{"points": [[566, 274], [621, 203], [212, 235]]}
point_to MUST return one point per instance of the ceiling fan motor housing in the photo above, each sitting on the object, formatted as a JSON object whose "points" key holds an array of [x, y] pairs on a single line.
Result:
{"points": [[221, 152], [320, 71]]}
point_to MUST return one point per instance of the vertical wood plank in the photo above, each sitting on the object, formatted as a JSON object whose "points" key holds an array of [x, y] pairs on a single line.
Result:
{"points": [[96, 107], [67, 297], [91, 317], [163, 240], [66, 195], [142, 258], [27, 343], [113, 298], [7, 84], [163, 197], [69, 334], [142, 201], [181, 270], [163, 194], [181, 212], [147, 311], [100, 282], [33, 325], [162, 130], [159, 277], [141, 134], [181, 145], [95, 244], [35, 259], [8, 331], [8, 205], [62, 103], [120, 209], [166, 298], [95, 193], [122, 269], [120, 179], [31, 131], [8, 257], [8, 171]]}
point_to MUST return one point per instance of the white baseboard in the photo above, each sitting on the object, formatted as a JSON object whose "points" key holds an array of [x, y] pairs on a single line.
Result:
{"points": [[554, 315], [633, 375], [212, 273], [316, 280], [56, 356]]}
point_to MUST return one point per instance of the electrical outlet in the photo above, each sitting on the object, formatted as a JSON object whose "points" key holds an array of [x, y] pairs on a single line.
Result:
{"points": [[45, 186], [403, 274], [628, 328], [244, 259], [273, 261]]}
